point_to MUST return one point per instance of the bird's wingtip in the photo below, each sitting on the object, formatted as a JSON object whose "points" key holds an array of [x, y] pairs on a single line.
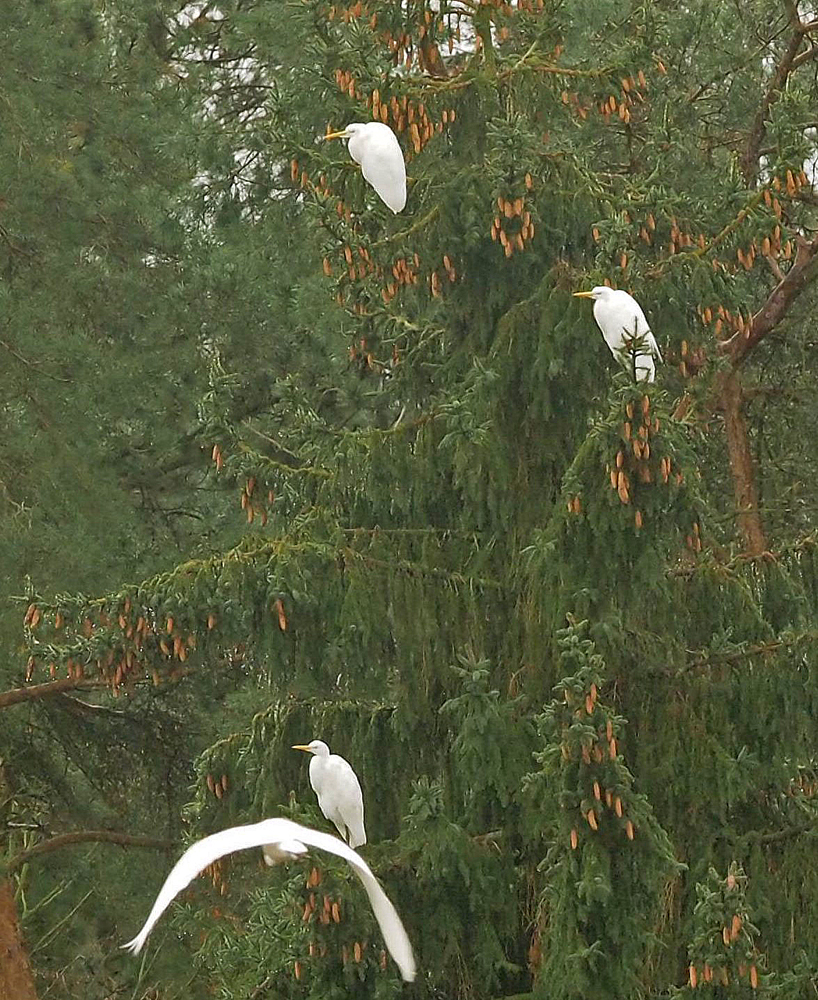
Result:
{"points": [[134, 945]]}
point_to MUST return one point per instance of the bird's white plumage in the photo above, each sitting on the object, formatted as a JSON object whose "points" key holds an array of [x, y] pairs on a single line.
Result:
{"points": [[282, 839], [621, 320], [338, 790], [375, 147]]}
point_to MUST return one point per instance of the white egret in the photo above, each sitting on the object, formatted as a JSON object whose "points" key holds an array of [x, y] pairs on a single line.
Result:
{"points": [[375, 146], [281, 840], [622, 322], [339, 791]]}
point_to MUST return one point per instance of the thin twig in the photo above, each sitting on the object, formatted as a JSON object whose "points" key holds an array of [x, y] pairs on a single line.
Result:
{"points": [[30, 364], [60, 923]]}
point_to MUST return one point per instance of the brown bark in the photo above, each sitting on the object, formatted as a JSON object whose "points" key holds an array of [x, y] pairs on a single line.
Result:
{"points": [[741, 464], [430, 59], [16, 980], [773, 310]]}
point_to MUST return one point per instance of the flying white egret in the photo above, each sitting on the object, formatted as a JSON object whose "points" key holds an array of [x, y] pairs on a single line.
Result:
{"points": [[621, 320], [339, 791], [375, 146], [281, 840]]}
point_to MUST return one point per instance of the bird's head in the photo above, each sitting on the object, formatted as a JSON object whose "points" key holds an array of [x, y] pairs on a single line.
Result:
{"points": [[282, 850], [597, 292], [353, 129], [318, 747]]}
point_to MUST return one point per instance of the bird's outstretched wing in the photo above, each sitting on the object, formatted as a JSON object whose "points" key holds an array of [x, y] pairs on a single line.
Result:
{"points": [[291, 838], [204, 852], [394, 935]]}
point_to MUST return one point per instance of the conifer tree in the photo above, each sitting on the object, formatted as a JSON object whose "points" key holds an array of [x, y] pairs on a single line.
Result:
{"points": [[438, 466]]}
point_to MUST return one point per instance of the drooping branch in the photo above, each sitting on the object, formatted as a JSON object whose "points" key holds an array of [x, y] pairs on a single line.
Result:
{"points": [[416, 570], [778, 302], [84, 837]]}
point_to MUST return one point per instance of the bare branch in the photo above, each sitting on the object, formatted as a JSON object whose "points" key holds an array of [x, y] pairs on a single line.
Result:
{"points": [[15, 696], [84, 837], [810, 54], [774, 267]]}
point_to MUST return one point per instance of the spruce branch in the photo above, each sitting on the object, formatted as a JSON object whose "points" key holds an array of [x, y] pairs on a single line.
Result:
{"points": [[273, 465], [659, 269], [706, 659], [430, 572], [778, 835], [57, 688], [522, 64], [13, 247], [752, 58], [421, 223]]}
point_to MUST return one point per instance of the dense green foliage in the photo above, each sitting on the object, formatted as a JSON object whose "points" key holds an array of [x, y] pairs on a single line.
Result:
{"points": [[380, 482]]}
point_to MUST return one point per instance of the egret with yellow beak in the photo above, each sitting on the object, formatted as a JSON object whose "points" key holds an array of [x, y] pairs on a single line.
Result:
{"points": [[375, 146], [281, 840], [339, 791], [622, 322]]}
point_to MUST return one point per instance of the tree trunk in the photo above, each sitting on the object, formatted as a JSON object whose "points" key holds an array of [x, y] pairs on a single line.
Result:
{"points": [[741, 465], [16, 980]]}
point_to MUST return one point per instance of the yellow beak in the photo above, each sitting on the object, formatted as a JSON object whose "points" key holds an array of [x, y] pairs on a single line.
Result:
{"points": [[299, 746], [336, 135], [583, 295]]}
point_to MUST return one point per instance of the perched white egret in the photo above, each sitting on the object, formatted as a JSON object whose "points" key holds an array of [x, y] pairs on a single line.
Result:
{"points": [[621, 320], [339, 791], [375, 146], [281, 840]]}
